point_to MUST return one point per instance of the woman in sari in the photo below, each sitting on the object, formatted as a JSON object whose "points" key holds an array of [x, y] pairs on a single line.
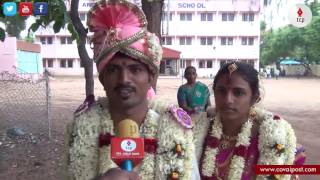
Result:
{"points": [[239, 135], [193, 96]]}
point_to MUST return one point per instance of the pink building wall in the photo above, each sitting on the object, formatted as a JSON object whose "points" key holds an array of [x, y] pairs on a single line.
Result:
{"points": [[8, 55]]}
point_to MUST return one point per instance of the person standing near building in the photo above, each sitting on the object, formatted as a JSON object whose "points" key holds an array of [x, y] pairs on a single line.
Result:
{"points": [[277, 73], [128, 58], [193, 96], [268, 70]]}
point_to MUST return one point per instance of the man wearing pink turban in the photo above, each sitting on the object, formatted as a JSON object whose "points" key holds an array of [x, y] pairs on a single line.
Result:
{"points": [[127, 58]]}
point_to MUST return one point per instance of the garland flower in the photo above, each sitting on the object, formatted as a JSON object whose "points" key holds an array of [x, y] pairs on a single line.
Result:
{"points": [[277, 146], [211, 151], [168, 146]]}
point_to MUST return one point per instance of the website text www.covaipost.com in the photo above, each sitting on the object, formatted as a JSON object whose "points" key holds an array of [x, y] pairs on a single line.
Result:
{"points": [[288, 169]]}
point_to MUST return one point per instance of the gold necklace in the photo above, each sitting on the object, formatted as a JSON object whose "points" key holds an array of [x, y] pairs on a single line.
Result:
{"points": [[226, 141]]}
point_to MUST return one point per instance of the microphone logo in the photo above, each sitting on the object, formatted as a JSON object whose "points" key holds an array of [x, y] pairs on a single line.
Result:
{"points": [[128, 145]]}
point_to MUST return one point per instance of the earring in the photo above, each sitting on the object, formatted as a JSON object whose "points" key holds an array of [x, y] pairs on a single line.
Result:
{"points": [[252, 113]]}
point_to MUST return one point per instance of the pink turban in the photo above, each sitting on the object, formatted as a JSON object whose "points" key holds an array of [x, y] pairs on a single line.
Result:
{"points": [[121, 26]]}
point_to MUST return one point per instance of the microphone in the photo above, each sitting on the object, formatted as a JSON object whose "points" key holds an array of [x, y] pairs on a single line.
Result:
{"points": [[127, 148]]}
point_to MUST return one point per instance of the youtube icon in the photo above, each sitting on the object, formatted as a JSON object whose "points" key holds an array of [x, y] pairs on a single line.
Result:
{"points": [[25, 8]]}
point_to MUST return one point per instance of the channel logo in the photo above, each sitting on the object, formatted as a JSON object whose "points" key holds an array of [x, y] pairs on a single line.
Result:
{"points": [[40, 8], [300, 15], [25, 8], [9, 8]]}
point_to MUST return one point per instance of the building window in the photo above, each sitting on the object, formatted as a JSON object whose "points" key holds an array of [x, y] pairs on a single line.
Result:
{"points": [[202, 64], [49, 40], [209, 40], [185, 63], [185, 40], [166, 40], [82, 16], [206, 16], [227, 16], [69, 40], [251, 17], [223, 41], [206, 41], [62, 63], [185, 16], [248, 61], [188, 63], [43, 40], [248, 17], [47, 63], [70, 63], [244, 41], [251, 40], [209, 63], [226, 41], [166, 15], [46, 40], [247, 41], [50, 63], [203, 41], [63, 40]]}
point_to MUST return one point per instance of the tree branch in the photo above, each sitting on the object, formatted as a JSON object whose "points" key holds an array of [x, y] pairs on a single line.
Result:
{"points": [[84, 57]]}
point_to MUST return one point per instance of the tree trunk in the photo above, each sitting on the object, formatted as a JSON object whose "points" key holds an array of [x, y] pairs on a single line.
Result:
{"points": [[84, 57], [153, 12]]}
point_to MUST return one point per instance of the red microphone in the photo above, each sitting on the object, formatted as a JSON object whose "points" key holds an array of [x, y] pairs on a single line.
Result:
{"points": [[127, 148]]}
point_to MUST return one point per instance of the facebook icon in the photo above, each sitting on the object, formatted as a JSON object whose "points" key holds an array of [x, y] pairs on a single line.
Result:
{"points": [[40, 8]]}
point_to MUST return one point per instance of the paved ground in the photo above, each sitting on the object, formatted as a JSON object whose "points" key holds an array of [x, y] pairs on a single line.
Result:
{"points": [[297, 100]]}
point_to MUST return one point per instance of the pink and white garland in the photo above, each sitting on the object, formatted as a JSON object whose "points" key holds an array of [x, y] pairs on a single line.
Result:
{"points": [[277, 145], [211, 150]]}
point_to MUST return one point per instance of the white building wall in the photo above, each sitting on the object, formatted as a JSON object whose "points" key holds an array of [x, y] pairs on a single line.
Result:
{"points": [[176, 29], [216, 29]]}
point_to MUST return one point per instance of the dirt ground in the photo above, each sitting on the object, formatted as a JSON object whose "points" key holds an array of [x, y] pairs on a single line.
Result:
{"points": [[35, 157]]}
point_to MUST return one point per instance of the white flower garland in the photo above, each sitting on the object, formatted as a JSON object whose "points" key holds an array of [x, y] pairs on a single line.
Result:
{"points": [[86, 164], [237, 162], [148, 129], [276, 131], [273, 131]]}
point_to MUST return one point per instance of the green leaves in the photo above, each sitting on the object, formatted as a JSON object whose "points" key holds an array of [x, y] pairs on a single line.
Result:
{"points": [[74, 34], [14, 25], [2, 34], [57, 26], [289, 41], [35, 26]]}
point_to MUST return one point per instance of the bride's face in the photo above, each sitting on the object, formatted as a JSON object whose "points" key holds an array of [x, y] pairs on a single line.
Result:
{"points": [[233, 97]]}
